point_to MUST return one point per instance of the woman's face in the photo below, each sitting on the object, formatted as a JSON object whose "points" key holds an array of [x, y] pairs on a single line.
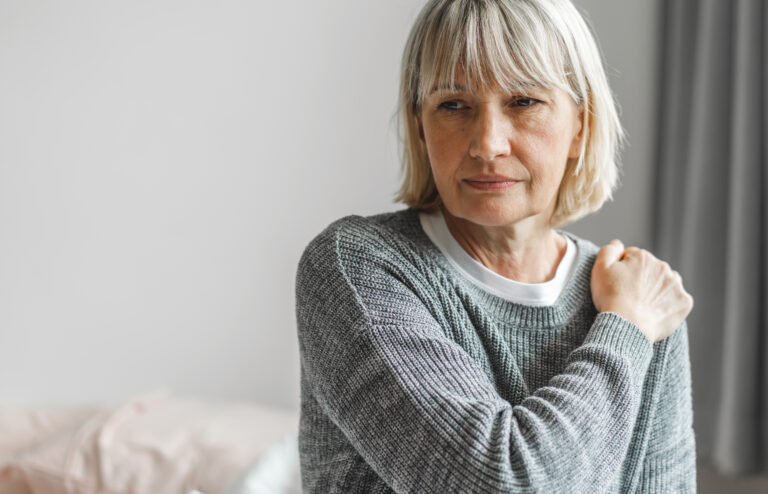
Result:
{"points": [[498, 157]]}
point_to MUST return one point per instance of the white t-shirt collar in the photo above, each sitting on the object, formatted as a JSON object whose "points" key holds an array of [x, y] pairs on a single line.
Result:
{"points": [[523, 293]]}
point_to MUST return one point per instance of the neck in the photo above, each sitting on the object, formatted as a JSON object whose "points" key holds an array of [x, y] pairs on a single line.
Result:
{"points": [[527, 251]]}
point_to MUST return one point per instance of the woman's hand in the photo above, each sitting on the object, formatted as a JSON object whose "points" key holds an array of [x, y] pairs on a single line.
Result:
{"points": [[633, 283]]}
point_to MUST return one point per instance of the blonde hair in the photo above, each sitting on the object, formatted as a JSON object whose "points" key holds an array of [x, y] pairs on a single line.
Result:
{"points": [[511, 43]]}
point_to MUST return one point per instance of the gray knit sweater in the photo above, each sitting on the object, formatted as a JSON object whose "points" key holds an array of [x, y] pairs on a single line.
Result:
{"points": [[415, 380]]}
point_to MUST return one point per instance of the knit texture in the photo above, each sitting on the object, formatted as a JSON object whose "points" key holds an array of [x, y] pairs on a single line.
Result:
{"points": [[415, 380]]}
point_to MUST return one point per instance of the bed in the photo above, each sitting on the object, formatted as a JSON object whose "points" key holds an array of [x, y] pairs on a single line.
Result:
{"points": [[150, 444]]}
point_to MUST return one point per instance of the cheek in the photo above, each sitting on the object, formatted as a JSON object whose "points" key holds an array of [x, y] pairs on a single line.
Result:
{"points": [[444, 149], [548, 149]]}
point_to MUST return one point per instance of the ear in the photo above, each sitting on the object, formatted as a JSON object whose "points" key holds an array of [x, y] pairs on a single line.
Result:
{"points": [[575, 149]]}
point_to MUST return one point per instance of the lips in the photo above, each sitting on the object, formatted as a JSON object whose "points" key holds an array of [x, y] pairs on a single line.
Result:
{"points": [[490, 182], [490, 178]]}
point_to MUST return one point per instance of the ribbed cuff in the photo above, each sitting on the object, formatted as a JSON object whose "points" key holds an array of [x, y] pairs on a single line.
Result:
{"points": [[624, 338], [671, 471]]}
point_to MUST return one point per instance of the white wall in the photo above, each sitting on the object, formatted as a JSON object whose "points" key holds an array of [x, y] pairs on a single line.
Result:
{"points": [[628, 33], [163, 163]]}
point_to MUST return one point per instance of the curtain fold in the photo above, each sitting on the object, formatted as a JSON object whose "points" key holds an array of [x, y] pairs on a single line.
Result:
{"points": [[711, 215]]}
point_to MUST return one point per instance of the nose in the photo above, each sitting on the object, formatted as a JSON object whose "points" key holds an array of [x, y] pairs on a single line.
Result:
{"points": [[491, 136]]}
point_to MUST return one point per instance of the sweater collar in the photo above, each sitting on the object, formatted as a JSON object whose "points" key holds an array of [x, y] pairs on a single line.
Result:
{"points": [[574, 296]]}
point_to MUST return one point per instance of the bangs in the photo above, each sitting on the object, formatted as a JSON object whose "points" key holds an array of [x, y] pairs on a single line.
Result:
{"points": [[477, 44]]}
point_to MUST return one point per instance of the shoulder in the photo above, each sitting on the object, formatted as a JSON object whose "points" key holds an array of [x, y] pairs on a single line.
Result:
{"points": [[355, 248], [357, 237], [389, 226], [587, 250], [363, 269]]}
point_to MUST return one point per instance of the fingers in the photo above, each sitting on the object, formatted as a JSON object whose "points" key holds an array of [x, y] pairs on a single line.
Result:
{"points": [[635, 253], [610, 253]]}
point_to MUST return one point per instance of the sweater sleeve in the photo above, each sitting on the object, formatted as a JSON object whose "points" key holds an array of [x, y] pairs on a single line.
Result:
{"points": [[670, 461], [425, 416]]}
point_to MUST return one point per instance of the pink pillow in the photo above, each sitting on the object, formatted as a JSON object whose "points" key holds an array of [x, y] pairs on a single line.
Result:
{"points": [[21, 429], [155, 444], [12, 481]]}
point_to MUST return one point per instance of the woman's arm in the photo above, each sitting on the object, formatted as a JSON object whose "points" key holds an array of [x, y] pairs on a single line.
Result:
{"points": [[425, 416], [670, 464]]}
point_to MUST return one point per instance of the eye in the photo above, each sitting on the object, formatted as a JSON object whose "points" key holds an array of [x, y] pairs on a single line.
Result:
{"points": [[525, 102], [451, 106]]}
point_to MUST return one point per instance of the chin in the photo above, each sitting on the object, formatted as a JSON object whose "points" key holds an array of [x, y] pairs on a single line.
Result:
{"points": [[492, 214], [496, 220]]}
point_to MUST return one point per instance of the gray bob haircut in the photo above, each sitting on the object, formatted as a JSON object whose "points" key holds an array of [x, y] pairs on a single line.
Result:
{"points": [[511, 44]]}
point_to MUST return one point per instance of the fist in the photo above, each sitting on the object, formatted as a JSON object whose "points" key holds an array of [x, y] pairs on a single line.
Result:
{"points": [[641, 288]]}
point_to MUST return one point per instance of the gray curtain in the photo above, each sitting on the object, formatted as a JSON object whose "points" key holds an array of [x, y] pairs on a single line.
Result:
{"points": [[711, 216]]}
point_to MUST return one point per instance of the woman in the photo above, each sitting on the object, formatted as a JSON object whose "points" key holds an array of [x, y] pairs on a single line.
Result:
{"points": [[466, 344]]}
